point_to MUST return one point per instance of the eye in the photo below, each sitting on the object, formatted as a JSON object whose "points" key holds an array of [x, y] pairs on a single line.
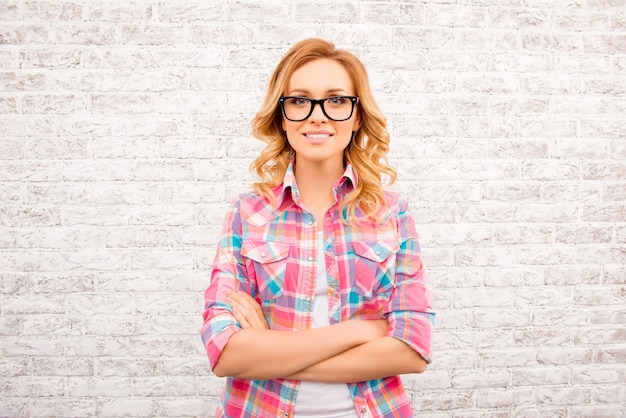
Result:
{"points": [[337, 101], [297, 101]]}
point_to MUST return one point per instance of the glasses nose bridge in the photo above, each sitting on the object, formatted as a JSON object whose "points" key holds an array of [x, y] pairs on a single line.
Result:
{"points": [[320, 102]]}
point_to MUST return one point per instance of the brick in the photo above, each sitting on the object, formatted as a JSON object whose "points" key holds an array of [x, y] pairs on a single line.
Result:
{"points": [[123, 103], [544, 42], [20, 260], [440, 148], [113, 57], [97, 259], [197, 147], [124, 407], [8, 57], [53, 11], [247, 10], [524, 61], [524, 234], [118, 11], [62, 283], [190, 12], [15, 367], [31, 346], [434, 401], [103, 148], [57, 148], [512, 358], [35, 386], [506, 18], [576, 19], [29, 216], [572, 275], [51, 57], [551, 212], [126, 366], [9, 326], [540, 376], [63, 367], [564, 356], [488, 378], [495, 398], [582, 64], [597, 411], [563, 396], [8, 11], [55, 324], [98, 386], [513, 277], [153, 33], [501, 318], [85, 34], [20, 34], [542, 337]]}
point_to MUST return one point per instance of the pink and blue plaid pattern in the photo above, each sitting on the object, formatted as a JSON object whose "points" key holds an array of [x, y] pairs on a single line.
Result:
{"points": [[374, 270]]}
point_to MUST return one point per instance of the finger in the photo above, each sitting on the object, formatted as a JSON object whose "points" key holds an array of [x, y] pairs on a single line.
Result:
{"points": [[245, 311], [237, 310], [250, 309], [252, 303], [243, 322]]}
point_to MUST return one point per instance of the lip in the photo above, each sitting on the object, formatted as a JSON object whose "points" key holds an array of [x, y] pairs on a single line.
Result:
{"points": [[317, 137]]}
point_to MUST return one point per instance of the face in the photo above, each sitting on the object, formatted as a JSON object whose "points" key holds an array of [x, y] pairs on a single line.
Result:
{"points": [[319, 139]]}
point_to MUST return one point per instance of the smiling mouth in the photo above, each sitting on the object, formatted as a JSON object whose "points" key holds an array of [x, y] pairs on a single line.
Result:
{"points": [[317, 136]]}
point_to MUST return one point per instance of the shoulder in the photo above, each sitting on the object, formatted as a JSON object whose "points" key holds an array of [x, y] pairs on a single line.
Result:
{"points": [[396, 204], [253, 207]]}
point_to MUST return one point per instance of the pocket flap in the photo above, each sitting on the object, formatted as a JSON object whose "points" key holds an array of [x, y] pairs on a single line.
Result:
{"points": [[377, 251], [264, 252]]}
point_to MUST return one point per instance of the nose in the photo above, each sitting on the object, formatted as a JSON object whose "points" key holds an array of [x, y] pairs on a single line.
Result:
{"points": [[318, 113]]}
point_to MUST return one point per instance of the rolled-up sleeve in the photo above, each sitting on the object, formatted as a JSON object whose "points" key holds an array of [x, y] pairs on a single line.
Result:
{"points": [[409, 310], [227, 274]]}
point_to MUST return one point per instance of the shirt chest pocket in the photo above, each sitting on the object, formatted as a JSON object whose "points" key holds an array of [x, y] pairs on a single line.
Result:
{"points": [[373, 267], [266, 263]]}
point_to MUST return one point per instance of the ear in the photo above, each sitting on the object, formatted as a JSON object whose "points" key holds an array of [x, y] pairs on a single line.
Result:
{"points": [[357, 122]]}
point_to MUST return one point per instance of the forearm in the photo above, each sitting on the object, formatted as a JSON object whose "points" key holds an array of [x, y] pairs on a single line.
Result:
{"points": [[386, 356], [268, 354]]}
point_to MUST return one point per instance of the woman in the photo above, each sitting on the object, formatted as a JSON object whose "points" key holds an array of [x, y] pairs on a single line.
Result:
{"points": [[318, 297]]}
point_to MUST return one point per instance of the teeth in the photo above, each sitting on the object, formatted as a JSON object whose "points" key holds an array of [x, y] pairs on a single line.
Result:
{"points": [[317, 136]]}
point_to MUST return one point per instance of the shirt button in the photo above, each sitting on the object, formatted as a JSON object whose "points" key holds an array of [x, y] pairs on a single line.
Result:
{"points": [[263, 255], [310, 258], [310, 223]]}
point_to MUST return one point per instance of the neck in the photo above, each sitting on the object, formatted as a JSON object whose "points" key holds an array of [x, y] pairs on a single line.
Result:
{"points": [[315, 183], [317, 177]]}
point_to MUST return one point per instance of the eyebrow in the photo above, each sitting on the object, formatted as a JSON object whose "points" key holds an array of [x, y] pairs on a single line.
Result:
{"points": [[331, 91]]}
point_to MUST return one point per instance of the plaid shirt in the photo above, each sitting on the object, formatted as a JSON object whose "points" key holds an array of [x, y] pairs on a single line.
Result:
{"points": [[374, 270]]}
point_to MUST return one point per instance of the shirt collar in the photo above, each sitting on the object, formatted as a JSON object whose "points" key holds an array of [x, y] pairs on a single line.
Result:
{"points": [[289, 189]]}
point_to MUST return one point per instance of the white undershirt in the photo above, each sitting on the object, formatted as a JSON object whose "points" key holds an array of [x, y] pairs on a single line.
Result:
{"points": [[316, 399]]}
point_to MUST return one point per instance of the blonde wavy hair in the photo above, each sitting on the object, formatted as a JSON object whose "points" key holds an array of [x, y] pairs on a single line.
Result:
{"points": [[367, 151]]}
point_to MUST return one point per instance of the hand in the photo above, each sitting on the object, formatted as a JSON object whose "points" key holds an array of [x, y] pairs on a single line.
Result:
{"points": [[246, 310]]}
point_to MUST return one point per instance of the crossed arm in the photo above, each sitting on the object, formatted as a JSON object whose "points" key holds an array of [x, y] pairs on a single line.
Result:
{"points": [[349, 351]]}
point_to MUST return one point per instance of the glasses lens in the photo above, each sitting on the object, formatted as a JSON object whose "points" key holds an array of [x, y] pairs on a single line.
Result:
{"points": [[297, 108], [336, 108]]}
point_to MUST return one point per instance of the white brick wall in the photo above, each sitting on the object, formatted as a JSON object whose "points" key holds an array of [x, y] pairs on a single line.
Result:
{"points": [[124, 133]]}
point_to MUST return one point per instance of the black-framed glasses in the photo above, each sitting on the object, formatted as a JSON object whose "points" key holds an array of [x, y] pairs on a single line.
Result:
{"points": [[337, 108]]}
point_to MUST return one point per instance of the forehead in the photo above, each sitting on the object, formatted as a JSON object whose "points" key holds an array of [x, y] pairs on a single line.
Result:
{"points": [[321, 76]]}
